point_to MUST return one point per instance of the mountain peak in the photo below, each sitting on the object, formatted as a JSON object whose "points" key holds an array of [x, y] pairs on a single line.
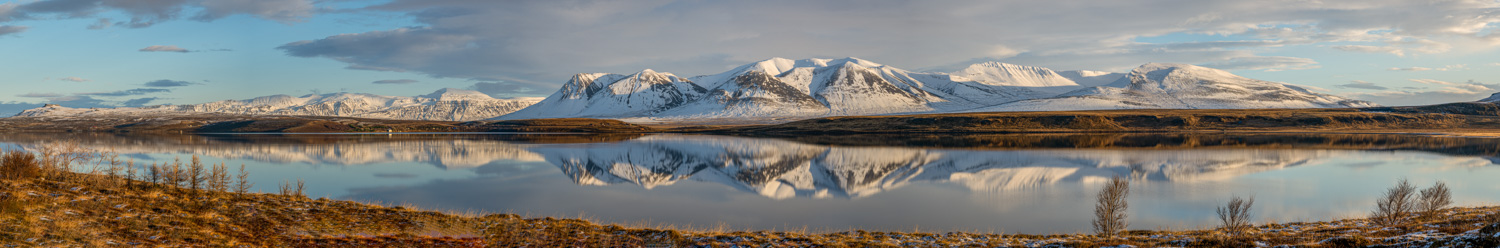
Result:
{"points": [[856, 61], [452, 94], [997, 73]]}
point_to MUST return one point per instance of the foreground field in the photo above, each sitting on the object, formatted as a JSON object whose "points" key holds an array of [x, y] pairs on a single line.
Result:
{"points": [[47, 207]]}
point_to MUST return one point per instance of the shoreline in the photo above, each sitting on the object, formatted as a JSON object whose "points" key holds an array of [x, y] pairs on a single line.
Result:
{"points": [[1457, 119]]}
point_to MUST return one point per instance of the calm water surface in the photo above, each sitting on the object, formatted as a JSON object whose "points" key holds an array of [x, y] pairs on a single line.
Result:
{"points": [[1009, 183]]}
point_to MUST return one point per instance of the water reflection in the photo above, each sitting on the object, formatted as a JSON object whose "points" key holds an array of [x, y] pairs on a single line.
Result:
{"points": [[1029, 183]]}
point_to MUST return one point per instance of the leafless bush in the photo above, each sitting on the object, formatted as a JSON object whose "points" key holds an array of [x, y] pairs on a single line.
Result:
{"points": [[1236, 215], [20, 165], [288, 189], [1397, 202], [1109, 212], [1434, 198]]}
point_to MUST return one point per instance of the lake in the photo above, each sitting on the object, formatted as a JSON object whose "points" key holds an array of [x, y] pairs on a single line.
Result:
{"points": [[1035, 184]]}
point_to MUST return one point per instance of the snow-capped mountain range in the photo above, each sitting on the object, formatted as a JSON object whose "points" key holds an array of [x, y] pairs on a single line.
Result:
{"points": [[443, 105], [784, 88]]}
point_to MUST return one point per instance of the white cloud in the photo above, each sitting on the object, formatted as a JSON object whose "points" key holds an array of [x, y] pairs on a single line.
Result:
{"points": [[1372, 49], [166, 48], [1267, 63], [74, 79], [1444, 68], [1451, 92]]}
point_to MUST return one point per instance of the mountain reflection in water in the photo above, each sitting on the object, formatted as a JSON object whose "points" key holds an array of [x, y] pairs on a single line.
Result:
{"points": [[1049, 169]]}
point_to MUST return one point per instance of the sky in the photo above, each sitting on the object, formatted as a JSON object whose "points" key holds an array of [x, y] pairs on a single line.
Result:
{"points": [[106, 53]]}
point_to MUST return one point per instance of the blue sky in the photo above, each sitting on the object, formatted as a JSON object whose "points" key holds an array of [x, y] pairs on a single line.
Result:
{"points": [[99, 53]]}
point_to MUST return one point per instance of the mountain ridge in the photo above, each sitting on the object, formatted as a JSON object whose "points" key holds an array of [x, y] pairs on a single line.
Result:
{"points": [[780, 88], [446, 104]]}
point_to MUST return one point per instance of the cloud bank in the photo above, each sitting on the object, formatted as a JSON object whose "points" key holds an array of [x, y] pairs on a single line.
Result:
{"points": [[509, 41]]}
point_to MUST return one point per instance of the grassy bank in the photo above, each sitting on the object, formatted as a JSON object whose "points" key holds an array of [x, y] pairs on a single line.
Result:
{"points": [[103, 203]]}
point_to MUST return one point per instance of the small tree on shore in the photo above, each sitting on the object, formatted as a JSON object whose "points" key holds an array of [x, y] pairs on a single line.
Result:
{"points": [[1434, 198], [1393, 206], [1235, 216], [243, 183], [1109, 211]]}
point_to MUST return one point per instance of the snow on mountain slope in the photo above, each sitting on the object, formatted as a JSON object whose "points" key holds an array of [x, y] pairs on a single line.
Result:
{"points": [[1091, 78], [1002, 74], [779, 88], [445, 105], [1180, 86], [1494, 98], [612, 95]]}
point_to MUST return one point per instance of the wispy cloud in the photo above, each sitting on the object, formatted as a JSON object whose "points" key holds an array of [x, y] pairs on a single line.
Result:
{"points": [[129, 92], [395, 81], [11, 29], [148, 13], [1448, 92], [1267, 63], [1357, 84], [1445, 68], [40, 95], [74, 79], [168, 83]]}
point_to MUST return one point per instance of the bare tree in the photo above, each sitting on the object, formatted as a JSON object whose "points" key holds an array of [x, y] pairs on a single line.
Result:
{"points": [[195, 176], [153, 173], [130, 173], [218, 178], [1236, 215], [1397, 202], [1435, 198], [1109, 212], [243, 185]]}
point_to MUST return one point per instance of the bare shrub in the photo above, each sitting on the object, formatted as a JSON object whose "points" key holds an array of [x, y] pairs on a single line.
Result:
{"points": [[1434, 198], [289, 189], [19, 165], [1109, 212], [1397, 202], [1235, 216]]}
